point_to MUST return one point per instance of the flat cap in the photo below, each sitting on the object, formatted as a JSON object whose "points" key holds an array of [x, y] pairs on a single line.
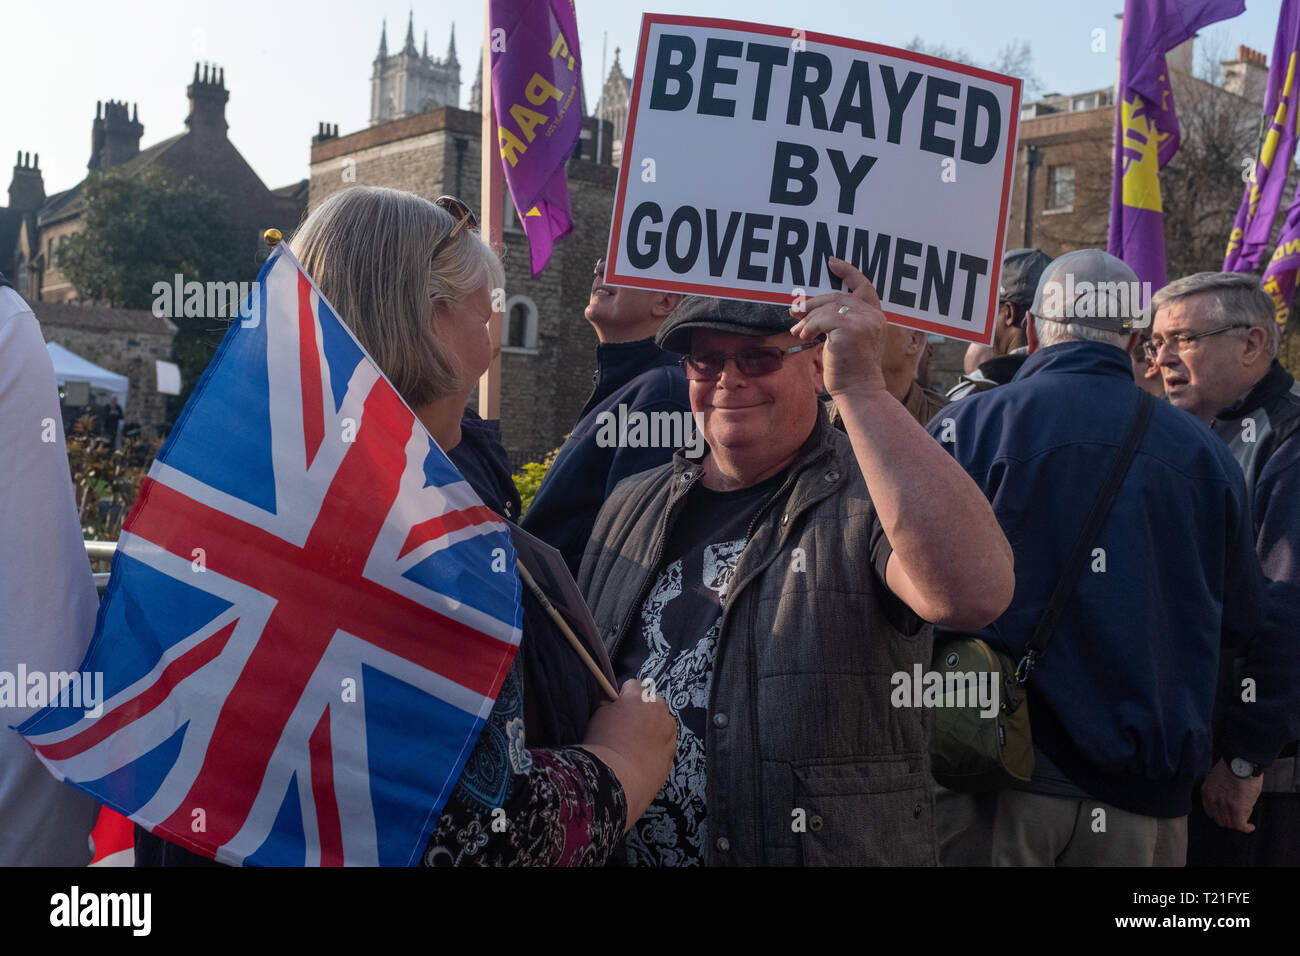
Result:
{"points": [[724, 315], [1021, 270]]}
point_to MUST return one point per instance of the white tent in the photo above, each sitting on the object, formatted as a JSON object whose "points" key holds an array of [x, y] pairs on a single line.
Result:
{"points": [[71, 367]]}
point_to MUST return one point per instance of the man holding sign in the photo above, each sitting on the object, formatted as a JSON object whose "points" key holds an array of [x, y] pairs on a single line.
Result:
{"points": [[770, 591]]}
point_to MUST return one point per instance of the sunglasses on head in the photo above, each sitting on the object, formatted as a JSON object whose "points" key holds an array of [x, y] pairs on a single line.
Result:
{"points": [[752, 363], [463, 215]]}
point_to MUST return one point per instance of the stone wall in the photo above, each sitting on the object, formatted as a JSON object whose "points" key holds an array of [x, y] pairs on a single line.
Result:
{"points": [[543, 388], [126, 341]]}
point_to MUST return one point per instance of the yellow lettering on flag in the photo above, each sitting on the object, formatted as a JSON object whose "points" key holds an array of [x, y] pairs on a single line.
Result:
{"points": [[1269, 152], [527, 119], [1141, 158], [511, 147], [539, 91], [1280, 305], [1234, 241]]}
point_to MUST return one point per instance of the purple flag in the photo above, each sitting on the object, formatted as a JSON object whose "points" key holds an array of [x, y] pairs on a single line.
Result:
{"points": [[1146, 126], [1254, 223], [537, 96], [1279, 277]]}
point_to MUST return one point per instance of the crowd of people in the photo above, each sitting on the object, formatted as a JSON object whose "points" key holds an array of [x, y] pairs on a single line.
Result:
{"points": [[844, 525]]}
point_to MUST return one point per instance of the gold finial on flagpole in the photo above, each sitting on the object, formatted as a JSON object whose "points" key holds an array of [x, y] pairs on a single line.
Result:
{"points": [[272, 237]]}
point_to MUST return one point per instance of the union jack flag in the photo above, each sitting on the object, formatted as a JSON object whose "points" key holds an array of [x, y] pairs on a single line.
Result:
{"points": [[310, 612]]}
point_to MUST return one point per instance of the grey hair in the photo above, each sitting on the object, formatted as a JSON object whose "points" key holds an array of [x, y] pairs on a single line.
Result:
{"points": [[370, 250], [1235, 297], [1054, 333]]}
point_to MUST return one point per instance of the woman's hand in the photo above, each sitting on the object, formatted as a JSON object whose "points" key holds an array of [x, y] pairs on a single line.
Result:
{"points": [[636, 738]]}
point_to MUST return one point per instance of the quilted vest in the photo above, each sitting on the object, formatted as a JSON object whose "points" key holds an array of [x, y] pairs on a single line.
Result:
{"points": [[807, 761]]}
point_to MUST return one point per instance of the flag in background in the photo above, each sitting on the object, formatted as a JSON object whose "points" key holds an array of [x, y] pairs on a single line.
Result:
{"points": [[1146, 126], [309, 616], [1280, 275], [537, 99], [1254, 223]]}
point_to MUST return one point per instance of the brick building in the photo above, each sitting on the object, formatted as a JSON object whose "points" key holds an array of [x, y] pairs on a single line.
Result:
{"points": [[33, 225], [548, 348]]}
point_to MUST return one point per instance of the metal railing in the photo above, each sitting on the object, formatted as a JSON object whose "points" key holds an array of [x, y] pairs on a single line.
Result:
{"points": [[101, 553]]}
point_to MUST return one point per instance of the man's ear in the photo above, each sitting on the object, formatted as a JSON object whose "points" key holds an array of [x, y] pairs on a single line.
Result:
{"points": [[1031, 333], [665, 303], [1007, 314], [1256, 347]]}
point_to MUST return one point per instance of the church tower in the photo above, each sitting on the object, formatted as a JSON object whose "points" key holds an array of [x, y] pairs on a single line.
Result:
{"points": [[410, 81]]}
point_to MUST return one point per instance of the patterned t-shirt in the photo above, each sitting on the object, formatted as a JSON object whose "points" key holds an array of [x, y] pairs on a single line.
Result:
{"points": [[675, 647]]}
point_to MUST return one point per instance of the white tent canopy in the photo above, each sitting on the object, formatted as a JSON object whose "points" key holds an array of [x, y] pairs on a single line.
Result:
{"points": [[71, 367]]}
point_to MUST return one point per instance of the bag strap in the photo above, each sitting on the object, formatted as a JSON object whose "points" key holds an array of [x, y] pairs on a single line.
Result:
{"points": [[1101, 506]]}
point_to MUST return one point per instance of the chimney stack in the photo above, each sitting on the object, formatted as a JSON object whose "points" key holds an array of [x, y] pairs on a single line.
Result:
{"points": [[1247, 75], [208, 96], [27, 187], [324, 132], [115, 135]]}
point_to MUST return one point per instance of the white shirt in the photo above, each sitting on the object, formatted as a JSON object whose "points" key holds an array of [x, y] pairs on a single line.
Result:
{"points": [[47, 594]]}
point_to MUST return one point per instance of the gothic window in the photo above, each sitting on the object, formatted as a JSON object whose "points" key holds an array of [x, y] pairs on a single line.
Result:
{"points": [[519, 333]]}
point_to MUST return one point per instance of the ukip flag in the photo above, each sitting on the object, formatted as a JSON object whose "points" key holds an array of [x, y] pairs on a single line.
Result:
{"points": [[1279, 277], [1254, 223], [537, 96], [309, 617], [1146, 126]]}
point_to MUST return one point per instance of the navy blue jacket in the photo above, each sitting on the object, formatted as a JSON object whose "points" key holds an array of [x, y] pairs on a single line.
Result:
{"points": [[641, 376], [1123, 699], [1263, 433]]}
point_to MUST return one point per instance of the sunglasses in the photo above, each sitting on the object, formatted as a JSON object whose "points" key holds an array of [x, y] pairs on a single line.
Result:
{"points": [[464, 218], [752, 363]]}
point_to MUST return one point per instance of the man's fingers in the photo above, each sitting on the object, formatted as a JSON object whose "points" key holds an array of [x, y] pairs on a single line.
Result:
{"points": [[854, 281]]}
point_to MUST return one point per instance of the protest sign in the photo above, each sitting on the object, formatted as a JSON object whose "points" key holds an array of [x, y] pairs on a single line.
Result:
{"points": [[754, 152]]}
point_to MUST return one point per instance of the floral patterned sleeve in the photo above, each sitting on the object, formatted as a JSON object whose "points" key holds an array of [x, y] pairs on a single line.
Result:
{"points": [[558, 807]]}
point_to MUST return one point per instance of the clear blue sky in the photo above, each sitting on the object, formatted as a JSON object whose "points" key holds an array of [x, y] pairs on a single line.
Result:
{"points": [[292, 63]]}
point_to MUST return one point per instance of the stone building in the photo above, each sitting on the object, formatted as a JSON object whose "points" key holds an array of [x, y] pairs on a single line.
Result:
{"points": [[548, 348], [34, 225], [410, 82], [126, 341], [615, 100]]}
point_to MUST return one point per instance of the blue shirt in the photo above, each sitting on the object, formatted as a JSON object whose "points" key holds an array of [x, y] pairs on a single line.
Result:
{"points": [[645, 379]]}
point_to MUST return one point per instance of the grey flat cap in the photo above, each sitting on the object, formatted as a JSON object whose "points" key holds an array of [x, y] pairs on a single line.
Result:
{"points": [[1021, 270], [724, 315]]}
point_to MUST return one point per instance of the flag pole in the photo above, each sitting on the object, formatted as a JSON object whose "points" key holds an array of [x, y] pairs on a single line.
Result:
{"points": [[490, 202], [563, 625]]}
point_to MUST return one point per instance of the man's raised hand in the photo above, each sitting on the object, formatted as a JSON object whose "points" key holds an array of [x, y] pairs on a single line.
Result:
{"points": [[855, 328]]}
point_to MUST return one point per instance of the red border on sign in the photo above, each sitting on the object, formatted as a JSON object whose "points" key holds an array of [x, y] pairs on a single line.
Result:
{"points": [[693, 288]]}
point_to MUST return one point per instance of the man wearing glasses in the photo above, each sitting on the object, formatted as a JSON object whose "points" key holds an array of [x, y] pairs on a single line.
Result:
{"points": [[770, 590], [1215, 341]]}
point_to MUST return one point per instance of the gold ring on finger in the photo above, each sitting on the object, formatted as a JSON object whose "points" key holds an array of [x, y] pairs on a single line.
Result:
{"points": [[842, 309]]}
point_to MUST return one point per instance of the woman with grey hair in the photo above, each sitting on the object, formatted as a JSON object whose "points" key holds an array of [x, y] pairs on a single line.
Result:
{"points": [[414, 283]]}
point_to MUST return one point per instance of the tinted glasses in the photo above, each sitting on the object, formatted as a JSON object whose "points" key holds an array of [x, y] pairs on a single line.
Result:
{"points": [[752, 363], [463, 215]]}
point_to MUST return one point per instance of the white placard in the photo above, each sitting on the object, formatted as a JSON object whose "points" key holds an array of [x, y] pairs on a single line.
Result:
{"points": [[753, 152]]}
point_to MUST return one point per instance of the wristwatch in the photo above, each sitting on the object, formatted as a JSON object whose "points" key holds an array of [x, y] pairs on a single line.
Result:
{"points": [[1243, 768]]}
